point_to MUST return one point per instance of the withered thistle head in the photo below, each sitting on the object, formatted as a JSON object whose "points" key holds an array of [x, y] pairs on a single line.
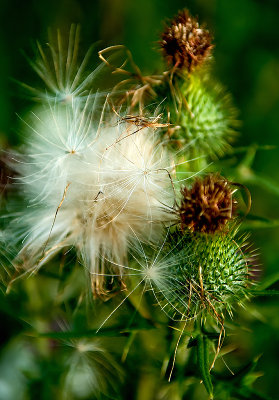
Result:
{"points": [[186, 44], [208, 205]]}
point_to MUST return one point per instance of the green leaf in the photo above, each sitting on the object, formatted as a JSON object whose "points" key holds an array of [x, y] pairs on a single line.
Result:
{"points": [[255, 395], [245, 149], [259, 224], [252, 217], [193, 342], [203, 362], [129, 343], [113, 331], [210, 335], [265, 292], [240, 375], [245, 393], [263, 182], [269, 281]]}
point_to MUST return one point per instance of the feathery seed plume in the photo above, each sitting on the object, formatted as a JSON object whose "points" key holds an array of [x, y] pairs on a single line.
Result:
{"points": [[62, 71], [91, 187]]}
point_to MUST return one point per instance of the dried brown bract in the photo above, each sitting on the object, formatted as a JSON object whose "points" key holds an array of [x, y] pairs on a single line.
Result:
{"points": [[136, 87], [186, 44], [208, 205]]}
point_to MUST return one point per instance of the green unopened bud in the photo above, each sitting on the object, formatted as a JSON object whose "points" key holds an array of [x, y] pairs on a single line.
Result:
{"points": [[205, 120], [207, 272]]}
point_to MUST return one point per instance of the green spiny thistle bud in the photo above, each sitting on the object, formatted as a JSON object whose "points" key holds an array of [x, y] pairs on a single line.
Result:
{"points": [[206, 118], [207, 272]]}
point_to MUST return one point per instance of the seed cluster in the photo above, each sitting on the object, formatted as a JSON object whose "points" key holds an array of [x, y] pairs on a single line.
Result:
{"points": [[208, 205], [186, 44]]}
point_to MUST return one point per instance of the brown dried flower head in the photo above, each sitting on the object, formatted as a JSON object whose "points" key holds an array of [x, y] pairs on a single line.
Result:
{"points": [[185, 44], [208, 205]]}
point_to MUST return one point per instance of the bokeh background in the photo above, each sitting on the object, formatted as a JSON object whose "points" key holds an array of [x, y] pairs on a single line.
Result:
{"points": [[246, 37]]}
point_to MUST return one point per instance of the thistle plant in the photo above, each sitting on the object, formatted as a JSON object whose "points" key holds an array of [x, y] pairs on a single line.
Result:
{"points": [[121, 198]]}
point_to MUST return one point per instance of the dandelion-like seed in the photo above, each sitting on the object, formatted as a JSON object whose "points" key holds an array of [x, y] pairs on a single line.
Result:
{"points": [[208, 205], [154, 271], [185, 44], [91, 187], [90, 370], [60, 68]]}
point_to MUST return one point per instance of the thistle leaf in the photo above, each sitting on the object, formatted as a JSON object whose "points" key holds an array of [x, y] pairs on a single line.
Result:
{"points": [[265, 292], [269, 281], [203, 362]]}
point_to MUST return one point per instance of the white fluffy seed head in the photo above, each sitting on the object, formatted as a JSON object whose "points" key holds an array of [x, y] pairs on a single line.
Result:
{"points": [[63, 73], [92, 187], [89, 370]]}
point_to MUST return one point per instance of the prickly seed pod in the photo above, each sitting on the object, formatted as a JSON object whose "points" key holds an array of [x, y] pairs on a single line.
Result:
{"points": [[203, 119], [208, 205], [207, 272], [207, 120], [185, 44]]}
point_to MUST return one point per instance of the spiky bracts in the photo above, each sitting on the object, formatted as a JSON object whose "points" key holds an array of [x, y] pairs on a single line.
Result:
{"points": [[217, 268], [205, 272], [204, 119], [208, 205], [185, 44]]}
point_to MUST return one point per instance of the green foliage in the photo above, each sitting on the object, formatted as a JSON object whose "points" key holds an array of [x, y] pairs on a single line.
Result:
{"points": [[203, 362]]}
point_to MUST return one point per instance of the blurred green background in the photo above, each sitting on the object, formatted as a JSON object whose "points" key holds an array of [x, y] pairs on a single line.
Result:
{"points": [[246, 37]]}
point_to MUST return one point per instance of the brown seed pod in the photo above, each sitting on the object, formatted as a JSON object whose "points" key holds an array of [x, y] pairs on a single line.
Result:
{"points": [[208, 205], [186, 44]]}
